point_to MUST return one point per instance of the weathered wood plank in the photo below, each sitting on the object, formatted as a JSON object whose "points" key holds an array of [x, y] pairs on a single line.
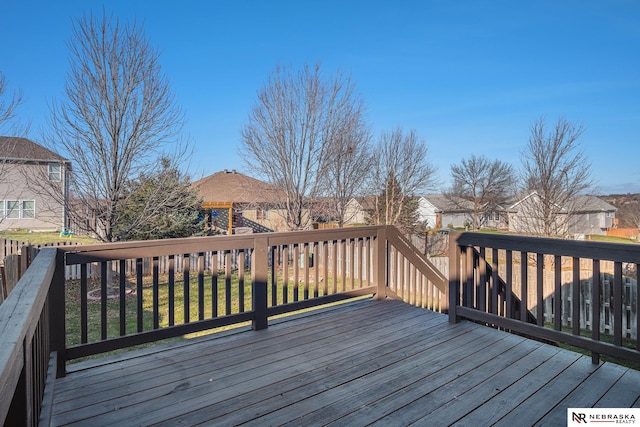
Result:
{"points": [[363, 362]]}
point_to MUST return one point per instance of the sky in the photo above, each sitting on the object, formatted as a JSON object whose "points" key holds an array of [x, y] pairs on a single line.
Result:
{"points": [[470, 77]]}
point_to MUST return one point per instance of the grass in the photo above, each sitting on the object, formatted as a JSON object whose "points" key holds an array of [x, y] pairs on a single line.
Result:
{"points": [[73, 307], [626, 342], [609, 239], [38, 238]]}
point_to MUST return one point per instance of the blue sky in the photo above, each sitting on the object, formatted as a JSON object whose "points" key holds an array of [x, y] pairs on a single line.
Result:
{"points": [[469, 76]]}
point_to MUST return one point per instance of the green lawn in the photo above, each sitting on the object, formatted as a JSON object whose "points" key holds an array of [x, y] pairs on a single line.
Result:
{"points": [[113, 305], [38, 238]]}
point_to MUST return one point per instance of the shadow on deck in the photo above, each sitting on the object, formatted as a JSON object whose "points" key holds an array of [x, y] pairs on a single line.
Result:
{"points": [[363, 362]]}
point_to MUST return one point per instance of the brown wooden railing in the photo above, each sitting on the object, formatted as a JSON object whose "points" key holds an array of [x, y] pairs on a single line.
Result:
{"points": [[218, 281], [579, 293], [250, 278], [30, 339]]}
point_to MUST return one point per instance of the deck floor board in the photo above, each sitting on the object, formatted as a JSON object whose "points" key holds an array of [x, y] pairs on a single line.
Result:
{"points": [[365, 362]]}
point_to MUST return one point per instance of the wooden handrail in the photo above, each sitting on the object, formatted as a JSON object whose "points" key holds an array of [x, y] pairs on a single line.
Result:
{"points": [[579, 272], [26, 341]]}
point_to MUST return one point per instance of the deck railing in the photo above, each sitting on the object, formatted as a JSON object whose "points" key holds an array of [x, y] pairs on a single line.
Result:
{"points": [[248, 279], [580, 293], [218, 281], [30, 339]]}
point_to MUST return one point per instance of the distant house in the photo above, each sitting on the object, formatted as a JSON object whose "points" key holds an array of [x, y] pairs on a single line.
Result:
{"points": [[441, 211], [34, 186], [357, 211], [583, 215], [251, 204]]}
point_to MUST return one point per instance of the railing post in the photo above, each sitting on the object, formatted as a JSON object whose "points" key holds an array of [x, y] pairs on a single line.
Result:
{"points": [[380, 269], [454, 276], [259, 274], [57, 325]]}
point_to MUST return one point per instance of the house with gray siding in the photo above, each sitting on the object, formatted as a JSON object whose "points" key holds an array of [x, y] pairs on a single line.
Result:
{"points": [[34, 186]]}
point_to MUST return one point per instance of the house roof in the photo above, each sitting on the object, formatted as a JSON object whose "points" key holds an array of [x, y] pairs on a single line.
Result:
{"points": [[229, 186], [444, 203], [593, 204], [580, 203], [23, 149]]}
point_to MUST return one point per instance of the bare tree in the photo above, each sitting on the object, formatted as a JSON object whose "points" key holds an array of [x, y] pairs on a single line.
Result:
{"points": [[348, 165], [9, 126], [298, 119], [9, 103], [555, 172], [402, 172], [118, 118], [486, 184]]}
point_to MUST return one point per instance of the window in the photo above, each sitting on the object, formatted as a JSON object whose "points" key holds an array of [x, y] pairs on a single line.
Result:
{"points": [[55, 172], [28, 209], [262, 214], [13, 209], [19, 209]]}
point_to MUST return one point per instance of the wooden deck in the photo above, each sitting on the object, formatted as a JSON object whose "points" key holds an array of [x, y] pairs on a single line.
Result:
{"points": [[365, 362]]}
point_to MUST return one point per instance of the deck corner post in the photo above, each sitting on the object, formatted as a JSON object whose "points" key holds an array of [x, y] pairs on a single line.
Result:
{"points": [[57, 315], [454, 276], [259, 274], [380, 270]]}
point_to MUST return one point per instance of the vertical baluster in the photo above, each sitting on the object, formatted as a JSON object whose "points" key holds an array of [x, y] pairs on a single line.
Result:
{"points": [[296, 272], [83, 304], [139, 290], [123, 297], [227, 282], [186, 287], [155, 293], [575, 297], [214, 284], [201, 295], [617, 303], [481, 286], [524, 287], [557, 293], [316, 270], [103, 299], [495, 284], [540, 289], [596, 308], [171, 290], [305, 254], [241, 260], [334, 273], [508, 295], [274, 274], [285, 274], [325, 268]]}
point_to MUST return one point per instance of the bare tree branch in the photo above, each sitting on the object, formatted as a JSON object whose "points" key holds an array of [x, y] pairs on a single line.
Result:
{"points": [[486, 184], [402, 171], [118, 116], [299, 119], [556, 171]]}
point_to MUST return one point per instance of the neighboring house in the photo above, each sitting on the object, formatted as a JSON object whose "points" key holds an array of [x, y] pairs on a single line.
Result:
{"points": [[250, 203], [583, 215], [357, 211], [438, 211], [34, 186]]}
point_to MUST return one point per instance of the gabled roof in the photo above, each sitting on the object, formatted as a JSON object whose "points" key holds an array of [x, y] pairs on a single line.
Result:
{"points": [[23, 149], [580, 203], [445, 203], [233, 187], [593, 204]]}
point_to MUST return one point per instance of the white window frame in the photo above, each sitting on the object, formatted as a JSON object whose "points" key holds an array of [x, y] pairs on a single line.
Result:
{"points": [[20, 211], [24, 210], [54, 175]]}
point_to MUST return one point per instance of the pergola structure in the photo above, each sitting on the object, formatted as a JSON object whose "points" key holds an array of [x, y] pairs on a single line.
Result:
{"points": [[222, 205]]}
